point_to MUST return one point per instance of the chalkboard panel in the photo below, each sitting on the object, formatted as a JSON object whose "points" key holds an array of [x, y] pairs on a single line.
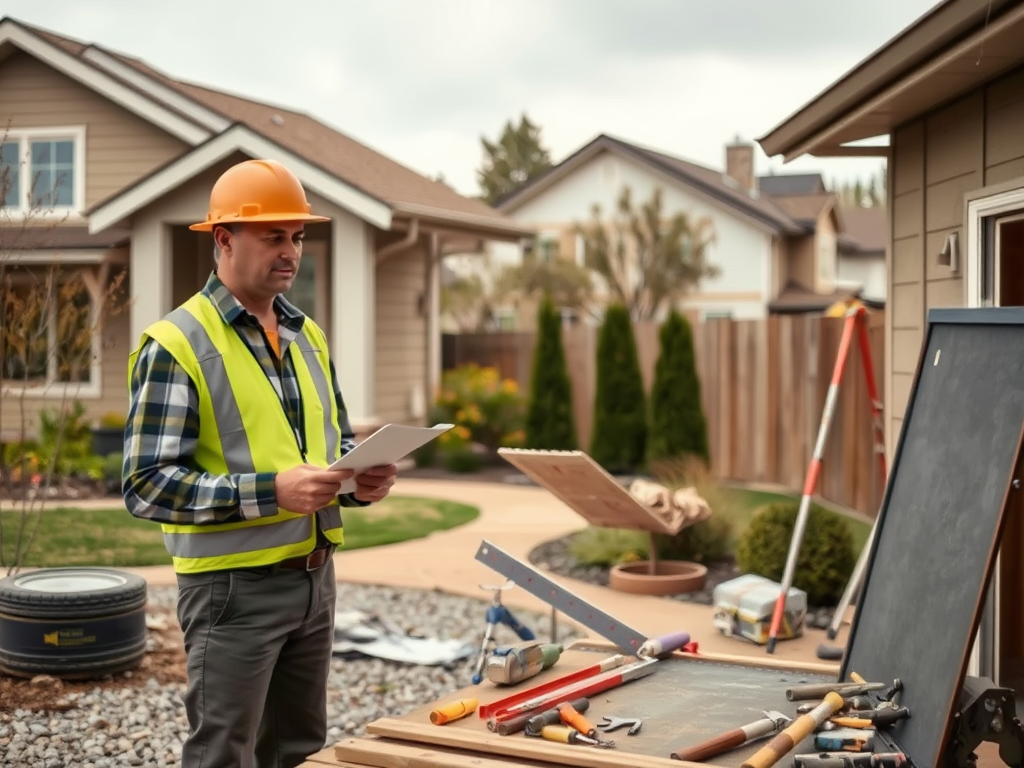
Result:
{"points": [[941, 519]]}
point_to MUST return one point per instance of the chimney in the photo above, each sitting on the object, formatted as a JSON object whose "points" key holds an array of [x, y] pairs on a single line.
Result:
{"points": [[739, 164]]}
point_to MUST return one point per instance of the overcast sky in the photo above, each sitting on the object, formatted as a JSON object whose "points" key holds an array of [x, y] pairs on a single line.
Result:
{"points": [[423, 80]]}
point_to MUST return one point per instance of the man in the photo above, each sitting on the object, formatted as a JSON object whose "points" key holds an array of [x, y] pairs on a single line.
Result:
{"points": [[235, 416]]}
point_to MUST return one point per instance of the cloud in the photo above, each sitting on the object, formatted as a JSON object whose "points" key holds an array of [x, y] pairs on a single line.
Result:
{"points": [[422, 81]]}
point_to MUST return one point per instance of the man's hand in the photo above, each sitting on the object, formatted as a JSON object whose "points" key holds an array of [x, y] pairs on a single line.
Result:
{"points": [[305, 489], [375, 483]]}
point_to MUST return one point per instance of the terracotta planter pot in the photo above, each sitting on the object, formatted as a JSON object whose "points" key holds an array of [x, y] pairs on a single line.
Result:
{"points": [[671, 577]]}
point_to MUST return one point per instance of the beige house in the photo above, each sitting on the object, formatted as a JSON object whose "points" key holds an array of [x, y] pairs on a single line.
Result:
{"points": [[136, 153], [948, 93]]}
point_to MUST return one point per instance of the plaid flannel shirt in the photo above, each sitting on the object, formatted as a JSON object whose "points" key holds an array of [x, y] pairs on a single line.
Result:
{"points": [[160, 479]]}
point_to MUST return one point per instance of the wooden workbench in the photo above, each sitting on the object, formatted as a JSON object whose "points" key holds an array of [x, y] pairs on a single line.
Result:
{"points": [[686, 699]]}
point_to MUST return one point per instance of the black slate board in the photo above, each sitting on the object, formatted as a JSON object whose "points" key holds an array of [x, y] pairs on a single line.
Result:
{"points": [[941, 520]]}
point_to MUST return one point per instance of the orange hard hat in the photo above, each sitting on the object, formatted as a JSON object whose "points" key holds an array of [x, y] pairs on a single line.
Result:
{"points": [[257, 190]]}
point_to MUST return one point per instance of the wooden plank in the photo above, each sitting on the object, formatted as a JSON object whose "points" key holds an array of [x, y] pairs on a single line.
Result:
{"points": [[741, 388], [762, 391], [377, 752]]}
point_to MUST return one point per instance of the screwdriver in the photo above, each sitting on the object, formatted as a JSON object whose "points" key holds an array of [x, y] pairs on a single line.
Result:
{"points": [[571, 717], [552, 716], [567, 735]]}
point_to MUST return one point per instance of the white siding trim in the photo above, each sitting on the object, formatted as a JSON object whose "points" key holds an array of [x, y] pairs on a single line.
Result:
{"points": [[206, 117], [238, 138], [125, 96]]}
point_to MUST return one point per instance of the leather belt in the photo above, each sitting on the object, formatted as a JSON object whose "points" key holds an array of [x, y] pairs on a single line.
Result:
{"points": [[310, 562]]}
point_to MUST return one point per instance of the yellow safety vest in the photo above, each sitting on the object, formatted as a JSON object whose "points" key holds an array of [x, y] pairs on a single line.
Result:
{"points": [[243, 428]]}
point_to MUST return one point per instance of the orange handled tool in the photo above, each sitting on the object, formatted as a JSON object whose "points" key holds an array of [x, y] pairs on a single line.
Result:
{"points": [[800, 729], [571, 717], [453, 710]]}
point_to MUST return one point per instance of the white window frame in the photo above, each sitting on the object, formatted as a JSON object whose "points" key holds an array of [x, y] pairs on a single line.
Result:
{"points": [[1007, 202], [76, 133], [1004, 203], [53, 389]]}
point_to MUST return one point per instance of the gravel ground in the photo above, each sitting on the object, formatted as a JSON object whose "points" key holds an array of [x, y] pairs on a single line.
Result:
{"points": [[136, 720]]}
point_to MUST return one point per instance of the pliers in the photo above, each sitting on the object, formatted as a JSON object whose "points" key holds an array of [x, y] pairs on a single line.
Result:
{"points": [[611, 723]]}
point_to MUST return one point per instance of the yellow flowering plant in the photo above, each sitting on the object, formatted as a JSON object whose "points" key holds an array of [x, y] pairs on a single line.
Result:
{"points": [[485, 408]]}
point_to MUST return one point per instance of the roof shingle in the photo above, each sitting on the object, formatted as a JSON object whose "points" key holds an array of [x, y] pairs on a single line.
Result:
{"points": [[371, 171]]}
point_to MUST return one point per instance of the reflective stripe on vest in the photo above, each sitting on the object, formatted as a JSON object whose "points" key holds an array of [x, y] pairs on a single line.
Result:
{"points": [[200, 341]]}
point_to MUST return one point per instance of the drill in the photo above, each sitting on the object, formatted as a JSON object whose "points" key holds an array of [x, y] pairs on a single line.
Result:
{"points": [[511, 664]]}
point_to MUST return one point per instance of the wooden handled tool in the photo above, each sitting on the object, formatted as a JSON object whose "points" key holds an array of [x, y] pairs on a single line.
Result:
{"points": [[796, 732], [737, 737], [818, 690]]}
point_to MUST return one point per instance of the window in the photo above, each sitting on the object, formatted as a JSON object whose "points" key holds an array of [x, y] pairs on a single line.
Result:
{"points": [[43, 171], [995, 240], [48, 334], [310, 289]]}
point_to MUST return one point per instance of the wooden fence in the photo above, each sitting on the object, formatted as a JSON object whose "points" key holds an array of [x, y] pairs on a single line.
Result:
{"points": [[763, 383]]}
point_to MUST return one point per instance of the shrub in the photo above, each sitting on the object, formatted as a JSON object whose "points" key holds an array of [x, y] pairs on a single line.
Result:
{"points": [[620, 414], [678, 426], [826, 554], [488, 407], [608, 546], [550, 424]]}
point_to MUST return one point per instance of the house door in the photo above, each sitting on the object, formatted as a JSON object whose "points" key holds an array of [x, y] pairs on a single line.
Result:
{"points": [[998, 280]]}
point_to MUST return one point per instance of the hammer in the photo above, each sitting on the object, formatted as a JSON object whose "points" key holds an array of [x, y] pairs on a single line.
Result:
{"points": [[770, 724]]}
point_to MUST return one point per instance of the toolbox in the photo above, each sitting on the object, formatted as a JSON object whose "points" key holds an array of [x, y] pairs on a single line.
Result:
{"points": [[743, 608], [954, 473]]}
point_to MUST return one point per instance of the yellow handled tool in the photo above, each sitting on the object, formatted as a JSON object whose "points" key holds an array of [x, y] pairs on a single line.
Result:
{"points": [[567, 735], [799, 730]]}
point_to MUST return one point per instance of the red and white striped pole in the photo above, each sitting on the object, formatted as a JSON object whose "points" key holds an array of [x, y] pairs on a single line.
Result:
{"points": [[811, 480]]}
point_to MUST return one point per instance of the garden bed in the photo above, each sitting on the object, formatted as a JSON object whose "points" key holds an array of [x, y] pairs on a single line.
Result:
{"points": [[555, 556]]}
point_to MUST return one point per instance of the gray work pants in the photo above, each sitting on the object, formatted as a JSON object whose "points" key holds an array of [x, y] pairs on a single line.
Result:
{"points": [[259, 653]]}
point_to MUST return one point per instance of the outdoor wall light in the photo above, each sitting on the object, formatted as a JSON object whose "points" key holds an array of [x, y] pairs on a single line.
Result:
{"points": [[949, 256]]}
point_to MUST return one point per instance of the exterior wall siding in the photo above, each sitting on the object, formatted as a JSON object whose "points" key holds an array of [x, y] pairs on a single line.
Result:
{"points": [[401, 343], [119, 146], [939, 158]]}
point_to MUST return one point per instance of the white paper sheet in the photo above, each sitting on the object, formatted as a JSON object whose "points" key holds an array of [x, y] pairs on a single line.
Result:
{"points": [[387, 445]]}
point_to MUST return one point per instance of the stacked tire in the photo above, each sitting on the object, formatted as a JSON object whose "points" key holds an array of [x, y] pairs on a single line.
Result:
{"points": [[72, 623]]}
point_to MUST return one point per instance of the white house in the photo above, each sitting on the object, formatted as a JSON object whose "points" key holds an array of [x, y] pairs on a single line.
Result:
{"points": [[780, 242]]}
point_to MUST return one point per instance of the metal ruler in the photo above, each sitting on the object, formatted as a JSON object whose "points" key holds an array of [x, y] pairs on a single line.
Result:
{"points": [[560, 598]]}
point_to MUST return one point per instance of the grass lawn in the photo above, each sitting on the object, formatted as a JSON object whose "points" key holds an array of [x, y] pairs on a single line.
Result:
{"points": [[112, 537]]}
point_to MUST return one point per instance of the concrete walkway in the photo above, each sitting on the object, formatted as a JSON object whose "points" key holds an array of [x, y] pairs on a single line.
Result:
{"points": [[516, 519]]}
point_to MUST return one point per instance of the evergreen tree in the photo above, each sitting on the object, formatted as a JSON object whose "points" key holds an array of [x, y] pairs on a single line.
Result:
{"points": [[514, 159], [620, 414], [678, 426], [550, 424]]}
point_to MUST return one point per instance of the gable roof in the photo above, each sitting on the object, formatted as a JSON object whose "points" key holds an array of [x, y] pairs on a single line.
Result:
{"points": [[866, 230], [951, 49], [200, 113], [804, 209], [710, 183]]}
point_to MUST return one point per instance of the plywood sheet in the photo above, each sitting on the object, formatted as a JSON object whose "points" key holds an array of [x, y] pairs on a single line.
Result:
{"points": [[941, 520], [687, 699], [584, 485]]}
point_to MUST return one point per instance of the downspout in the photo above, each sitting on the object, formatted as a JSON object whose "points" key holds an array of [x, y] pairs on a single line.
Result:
{"points": [[431, 311], [409, 240]]}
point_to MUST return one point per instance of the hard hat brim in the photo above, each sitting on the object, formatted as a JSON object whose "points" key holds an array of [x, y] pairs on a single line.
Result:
{"points": [[207, 226]]}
